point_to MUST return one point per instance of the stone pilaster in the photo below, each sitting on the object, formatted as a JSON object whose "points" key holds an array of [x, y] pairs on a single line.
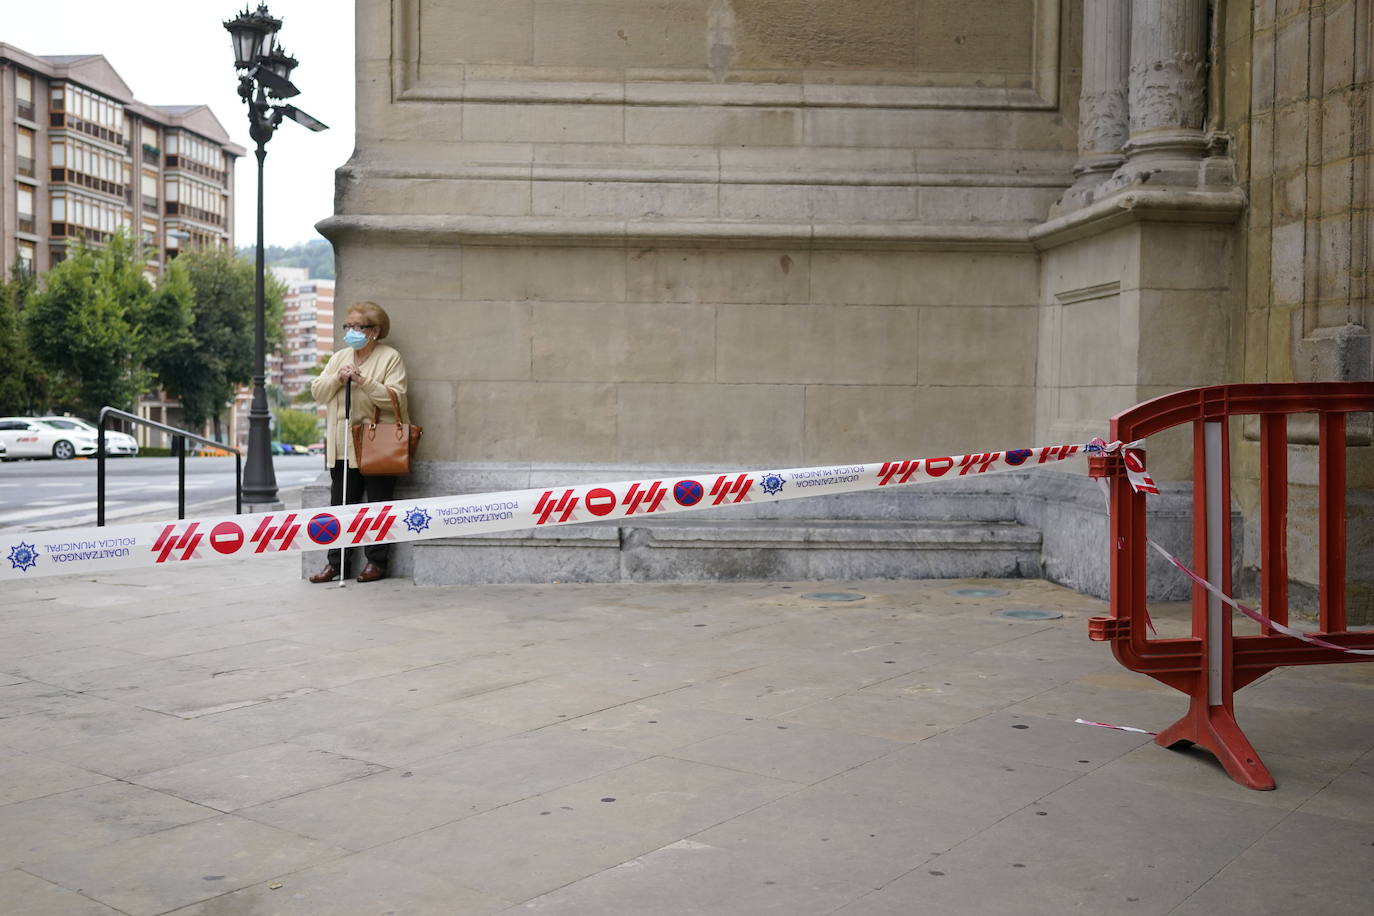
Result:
{"points": [[1102, 105]]}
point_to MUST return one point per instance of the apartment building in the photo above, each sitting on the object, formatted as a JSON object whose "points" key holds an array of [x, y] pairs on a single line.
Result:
{"points": [[308, 319], [81, 158]]}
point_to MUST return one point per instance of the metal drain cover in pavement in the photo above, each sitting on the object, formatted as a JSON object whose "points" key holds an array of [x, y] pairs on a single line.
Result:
{"points": [[835, 596], [977, 592], [1027, 613]]}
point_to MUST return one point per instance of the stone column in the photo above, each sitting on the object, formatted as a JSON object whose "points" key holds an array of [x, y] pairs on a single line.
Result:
{"points": [[1102, 108], [1168, 93]]}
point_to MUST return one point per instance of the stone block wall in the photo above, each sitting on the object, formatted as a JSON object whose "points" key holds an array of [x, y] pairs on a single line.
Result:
{"points": [[1296, 97], [722, 231], [656, 355]]}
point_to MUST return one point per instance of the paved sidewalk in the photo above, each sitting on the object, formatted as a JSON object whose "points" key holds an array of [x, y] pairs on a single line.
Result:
{"points": [[228, 740]]}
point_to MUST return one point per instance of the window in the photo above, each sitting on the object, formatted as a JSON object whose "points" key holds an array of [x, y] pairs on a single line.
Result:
{"points": [[23, 94], [24, 151], [26, 257], [24, 195], [59, 154], [59, 209], [77, 108]]}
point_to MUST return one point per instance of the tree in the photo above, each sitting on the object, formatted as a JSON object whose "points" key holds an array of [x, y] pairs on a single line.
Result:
{"points": [[297, 427], [23, 384], [203, 371], [305, 395], [89, 324], [316, 255]]}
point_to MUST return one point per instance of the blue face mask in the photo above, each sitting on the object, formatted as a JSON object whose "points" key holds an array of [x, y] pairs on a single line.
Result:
{"points": [[355, 339]]}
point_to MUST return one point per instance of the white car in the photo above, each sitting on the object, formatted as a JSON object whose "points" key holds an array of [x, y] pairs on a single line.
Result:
{"points": [[116, 443], [26, 437]]}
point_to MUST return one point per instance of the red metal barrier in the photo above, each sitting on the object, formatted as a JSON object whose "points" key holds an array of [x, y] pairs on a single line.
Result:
{"points": [[1212, 664]]}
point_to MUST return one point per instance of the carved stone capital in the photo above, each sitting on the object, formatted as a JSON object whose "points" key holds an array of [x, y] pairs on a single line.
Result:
{"points": [[1169, 92]]}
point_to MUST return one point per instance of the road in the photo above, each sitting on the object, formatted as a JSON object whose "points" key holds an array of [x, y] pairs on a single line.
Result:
{"points": [[38, 495]]}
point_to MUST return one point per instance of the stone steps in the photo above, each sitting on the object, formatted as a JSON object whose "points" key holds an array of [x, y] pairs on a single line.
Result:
{"points": [[689, 549]]}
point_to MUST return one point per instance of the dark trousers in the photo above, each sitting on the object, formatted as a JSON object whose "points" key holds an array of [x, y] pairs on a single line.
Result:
{"points": [[360, 490]]}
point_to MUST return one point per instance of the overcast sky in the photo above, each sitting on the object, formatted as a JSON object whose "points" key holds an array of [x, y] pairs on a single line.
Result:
{"points": [[176, 52]]}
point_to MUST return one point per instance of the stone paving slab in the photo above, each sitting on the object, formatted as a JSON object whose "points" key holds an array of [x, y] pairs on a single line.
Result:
{"points": [[174, 744]]}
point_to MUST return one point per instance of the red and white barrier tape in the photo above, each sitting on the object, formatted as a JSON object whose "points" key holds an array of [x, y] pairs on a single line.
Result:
{"points": [[150, 544], [1253, 614], [1133, 457], [1120, 728]]}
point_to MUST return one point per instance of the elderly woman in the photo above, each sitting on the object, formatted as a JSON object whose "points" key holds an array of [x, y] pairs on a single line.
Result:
{"points": [[372, 368]]}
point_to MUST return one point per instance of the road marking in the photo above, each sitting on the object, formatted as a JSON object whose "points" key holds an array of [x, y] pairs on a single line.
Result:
{"points": [[42, 509], [87, 516]]}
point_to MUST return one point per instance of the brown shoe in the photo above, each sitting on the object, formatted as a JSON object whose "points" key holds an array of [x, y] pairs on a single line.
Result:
{"points": [[328, 574], [371, 573]]}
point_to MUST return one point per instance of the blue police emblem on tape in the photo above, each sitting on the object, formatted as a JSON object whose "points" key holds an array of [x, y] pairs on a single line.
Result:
{"points": [[772, 483], [1018, 456], [24, 556], [417, 519]]}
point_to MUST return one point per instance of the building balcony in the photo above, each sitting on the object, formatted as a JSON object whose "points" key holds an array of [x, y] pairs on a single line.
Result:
{"points": [[188, 212], [68, 176], [72, 231], [175, 162], [60, 120]]}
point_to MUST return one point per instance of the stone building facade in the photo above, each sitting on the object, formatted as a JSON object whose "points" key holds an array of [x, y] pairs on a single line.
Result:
{"points": [[618, 236]]}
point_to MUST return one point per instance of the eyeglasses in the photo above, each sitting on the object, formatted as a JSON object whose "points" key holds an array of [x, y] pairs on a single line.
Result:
{"points": [[358, 327]]}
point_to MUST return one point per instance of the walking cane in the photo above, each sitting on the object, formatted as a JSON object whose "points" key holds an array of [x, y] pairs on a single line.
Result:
{"points": [[343, 489]]}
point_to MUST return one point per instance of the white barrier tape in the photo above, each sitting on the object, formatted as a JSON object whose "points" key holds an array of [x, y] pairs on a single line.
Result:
{"points": [[1133, 457], [1253, 614], [1120, 728], [150, 544]]}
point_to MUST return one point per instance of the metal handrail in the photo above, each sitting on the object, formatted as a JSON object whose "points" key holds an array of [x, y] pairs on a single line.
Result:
{"points": [[179, 437]]}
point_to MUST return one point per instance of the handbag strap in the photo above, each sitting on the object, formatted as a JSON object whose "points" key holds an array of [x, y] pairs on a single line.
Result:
{"points": [[395, 409]]}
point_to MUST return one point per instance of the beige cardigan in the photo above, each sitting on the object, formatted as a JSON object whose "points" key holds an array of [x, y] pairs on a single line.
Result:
{"points": [[382, 369]]}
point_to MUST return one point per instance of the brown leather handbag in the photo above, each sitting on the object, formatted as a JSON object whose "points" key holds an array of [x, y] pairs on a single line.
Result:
{"points": [[385, 449]]}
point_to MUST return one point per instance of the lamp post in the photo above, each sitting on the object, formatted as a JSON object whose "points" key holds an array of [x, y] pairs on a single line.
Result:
{"points": [[264, 85]]}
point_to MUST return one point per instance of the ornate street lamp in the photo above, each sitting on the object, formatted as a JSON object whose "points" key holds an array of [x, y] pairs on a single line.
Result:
{"points": [[264, 82]]}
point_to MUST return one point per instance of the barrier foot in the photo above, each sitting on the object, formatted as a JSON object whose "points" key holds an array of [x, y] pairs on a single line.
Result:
{"points": [[1214, 728]]}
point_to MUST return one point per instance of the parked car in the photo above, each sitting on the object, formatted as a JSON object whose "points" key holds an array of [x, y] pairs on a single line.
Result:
{"points": [[2, 451], [116, 443], [315, 448], [26, 437]]}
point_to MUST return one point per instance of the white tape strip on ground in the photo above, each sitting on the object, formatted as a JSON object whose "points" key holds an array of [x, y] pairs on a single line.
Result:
{"points": [[149, 544]]}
